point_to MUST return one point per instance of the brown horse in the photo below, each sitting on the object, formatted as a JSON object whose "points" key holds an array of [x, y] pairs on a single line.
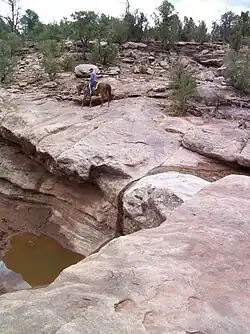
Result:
{"points": [[101, 88]]}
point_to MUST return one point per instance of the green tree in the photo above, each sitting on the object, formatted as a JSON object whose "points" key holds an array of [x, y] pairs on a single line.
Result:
{"points": [[85, 26], [4, 29], [51, 31], [216, 35], [228, 21], [136, 24], [165, 23], [29, 21], [103, 53], [118, 31], [238, 71], [189, 29], [236, 36], [201, 32], [176, 28], [245, 24], [104, 27], [15, 43], [65, 28]]}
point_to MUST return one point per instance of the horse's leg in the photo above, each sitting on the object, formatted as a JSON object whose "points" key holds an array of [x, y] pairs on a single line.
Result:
{"points": [[108, 99], [109, 95], [101, 100], [90, 101], [83, 100]]}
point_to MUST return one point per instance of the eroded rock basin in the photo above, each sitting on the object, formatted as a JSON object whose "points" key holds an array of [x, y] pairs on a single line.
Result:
{"points": [[38, 259], [185, 272]]}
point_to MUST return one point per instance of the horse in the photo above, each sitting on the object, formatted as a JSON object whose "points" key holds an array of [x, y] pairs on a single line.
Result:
{"points": [[101, 88]]}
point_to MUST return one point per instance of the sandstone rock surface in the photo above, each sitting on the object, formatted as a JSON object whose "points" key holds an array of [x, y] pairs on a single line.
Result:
{"points": [[149, 201], [189, 275], [121, 142], [32, 200], [220, 140], [11, 281]]}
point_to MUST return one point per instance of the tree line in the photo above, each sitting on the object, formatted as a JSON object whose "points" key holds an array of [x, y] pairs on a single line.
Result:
{"points": [[134, 25]]}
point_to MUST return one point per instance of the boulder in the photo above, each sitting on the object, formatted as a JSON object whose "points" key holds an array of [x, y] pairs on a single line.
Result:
{"points": [[209, 94], [113, 71], [50, 85], [151, 59], [150, 71], [165, 64], [134, 45], [82, 70], [136, 69], [189, 275], [206, 76], [149, 201]]}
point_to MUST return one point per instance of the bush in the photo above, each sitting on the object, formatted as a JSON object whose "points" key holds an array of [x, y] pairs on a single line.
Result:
{"points": [[103, 53], [15, 43], [50, 63], [49, 48], [184, 87], [50, 66], [67, 63], [238, 71], [143, 67], [7, 61]]}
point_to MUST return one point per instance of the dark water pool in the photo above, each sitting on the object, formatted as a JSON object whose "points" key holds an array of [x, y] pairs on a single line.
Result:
{"points": [[38, 259]]}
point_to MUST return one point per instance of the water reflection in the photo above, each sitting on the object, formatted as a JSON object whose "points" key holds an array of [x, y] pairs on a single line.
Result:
{"points": [[38, 259]]}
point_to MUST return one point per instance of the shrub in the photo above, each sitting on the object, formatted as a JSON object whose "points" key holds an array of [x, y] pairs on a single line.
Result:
{"points": [[50, 65], [15, 43], [238, 71], [7, 61], [184, 87], [143, 67], [103, 53], [49, 48], [67, 63]]}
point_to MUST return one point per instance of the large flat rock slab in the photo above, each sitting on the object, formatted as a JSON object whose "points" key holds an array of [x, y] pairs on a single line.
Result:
{"points": [[220, 140], [121, 141], [189, 275], [186, 161]]}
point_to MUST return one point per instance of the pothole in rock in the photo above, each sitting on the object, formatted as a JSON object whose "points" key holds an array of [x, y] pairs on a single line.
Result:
{"points": [[33, 261]]}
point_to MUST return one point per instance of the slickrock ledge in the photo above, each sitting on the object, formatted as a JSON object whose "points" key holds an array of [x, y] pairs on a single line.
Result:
{"points": [[189, 275]]}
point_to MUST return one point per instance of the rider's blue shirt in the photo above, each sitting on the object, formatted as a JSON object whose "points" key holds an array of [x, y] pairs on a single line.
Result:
{"points": [[93, 78]]}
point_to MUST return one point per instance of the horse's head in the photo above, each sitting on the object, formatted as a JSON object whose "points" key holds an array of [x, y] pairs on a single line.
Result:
{"points": [[81, 87]]}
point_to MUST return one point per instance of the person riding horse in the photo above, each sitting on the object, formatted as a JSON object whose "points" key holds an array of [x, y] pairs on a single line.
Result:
{"points": [[92, 81]]}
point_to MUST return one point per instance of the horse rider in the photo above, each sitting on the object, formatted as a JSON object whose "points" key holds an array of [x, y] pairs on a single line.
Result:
{"points": [[92, 80]]}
